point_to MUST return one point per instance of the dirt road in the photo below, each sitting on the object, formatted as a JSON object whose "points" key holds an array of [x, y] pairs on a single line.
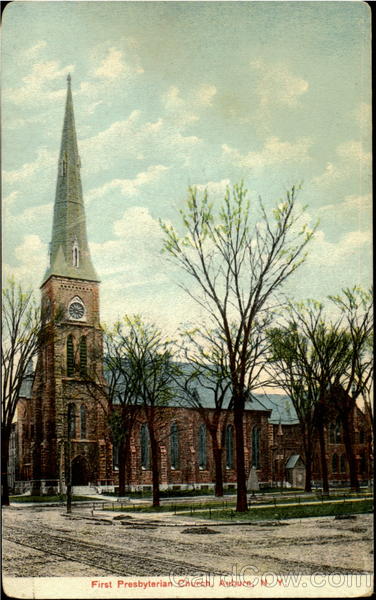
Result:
{"points": [[46, 542]]}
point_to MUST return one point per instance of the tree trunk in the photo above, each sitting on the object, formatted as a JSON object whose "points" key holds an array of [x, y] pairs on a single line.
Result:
{"points": [[347, 440], [241, 499], [324, 464], [4, 467], [128, 462], [307, 445], [122, 467], [154, 467], [218, 467]]}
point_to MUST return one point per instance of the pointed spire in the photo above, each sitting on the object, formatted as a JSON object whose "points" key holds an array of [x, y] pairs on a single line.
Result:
{"points": [[69, 251]]}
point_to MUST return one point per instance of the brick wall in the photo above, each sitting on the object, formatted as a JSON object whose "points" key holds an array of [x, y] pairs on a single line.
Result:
{"points": [[53, 390]]}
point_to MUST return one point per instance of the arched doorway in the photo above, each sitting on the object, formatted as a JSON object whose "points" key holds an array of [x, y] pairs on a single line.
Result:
{"points": [[80, 471]]}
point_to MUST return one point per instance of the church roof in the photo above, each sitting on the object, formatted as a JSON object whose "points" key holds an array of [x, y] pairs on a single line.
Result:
{"points": [[69, 250], [294, 461], [26, 386], [279, 406]]}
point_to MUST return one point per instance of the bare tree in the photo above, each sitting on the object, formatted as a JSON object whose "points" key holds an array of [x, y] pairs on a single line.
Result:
{"points": [[118, 388], [21, 338], [209, 373], [355, 378], [290, 367], [149, 358], [206, 373], [237, 268], [324, 365]]}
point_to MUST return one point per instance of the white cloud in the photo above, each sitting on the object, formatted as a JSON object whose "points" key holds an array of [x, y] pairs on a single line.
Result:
{"points": [[128, 187], [31, 252], [353, 202], [31, 216], [137, 224], [185, 110], [44, 159], [113, 66], [205, 94], [91, 108], [354, 212], [352, 158], [277, 85], [274, 151], [137, 245], [323, 252], [137, 139], [135, 276], [330, 174], [179, 110], [353, 151], [32, 52], [214, 188], [363, 115], [9, 200], [38, 86], [172, 98]]}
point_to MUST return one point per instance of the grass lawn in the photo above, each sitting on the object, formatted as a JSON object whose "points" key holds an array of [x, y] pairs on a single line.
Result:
{"points": [[217, 504], [171, 507], [290, 512], [48, 499]]}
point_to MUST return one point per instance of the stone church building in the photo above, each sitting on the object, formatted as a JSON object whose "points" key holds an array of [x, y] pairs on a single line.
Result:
{"points": [[62, 432]]}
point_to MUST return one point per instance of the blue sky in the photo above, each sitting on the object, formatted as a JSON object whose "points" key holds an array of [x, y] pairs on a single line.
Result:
{"points": [[171, 94]]}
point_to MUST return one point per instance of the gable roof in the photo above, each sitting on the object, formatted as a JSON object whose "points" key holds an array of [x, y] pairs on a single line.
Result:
{"points": [[281, 407], [294, 461], [26, 386]]}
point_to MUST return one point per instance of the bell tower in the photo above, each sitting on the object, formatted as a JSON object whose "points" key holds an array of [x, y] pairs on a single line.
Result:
{"points": [[69, 428]]}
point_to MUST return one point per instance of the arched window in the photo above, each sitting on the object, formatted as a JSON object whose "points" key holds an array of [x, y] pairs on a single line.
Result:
{"points": [[363, 464], [362, 437], [75, 254], [63, 165], [256, 447], [229, 447], [83, 357], [335, 432], [202, 458], [335, 463], [174, 446], [115, 455], [83, 421], [342, 463], [71, 421], [70, 356], [145, 446]]}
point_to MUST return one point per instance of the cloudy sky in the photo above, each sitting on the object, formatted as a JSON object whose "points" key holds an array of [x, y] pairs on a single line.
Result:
{"points": [[172, 94]]}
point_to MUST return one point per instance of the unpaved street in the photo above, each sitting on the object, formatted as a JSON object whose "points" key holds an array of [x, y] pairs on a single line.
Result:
{"points": [[46, 542]]}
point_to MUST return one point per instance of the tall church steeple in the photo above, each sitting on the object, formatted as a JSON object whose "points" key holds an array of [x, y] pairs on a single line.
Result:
{"points": [[69, 250]]}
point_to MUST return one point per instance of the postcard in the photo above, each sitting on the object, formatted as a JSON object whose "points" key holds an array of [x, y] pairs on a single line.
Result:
{"points": [[187, 304]]}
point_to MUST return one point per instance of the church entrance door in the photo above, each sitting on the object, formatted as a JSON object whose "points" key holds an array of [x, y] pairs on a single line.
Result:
{"points": [[80, 471]]}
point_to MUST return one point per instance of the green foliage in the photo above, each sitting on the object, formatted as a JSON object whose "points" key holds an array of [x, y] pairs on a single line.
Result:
{"points": [[49, 499], [292, 512], [237, 262]]}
